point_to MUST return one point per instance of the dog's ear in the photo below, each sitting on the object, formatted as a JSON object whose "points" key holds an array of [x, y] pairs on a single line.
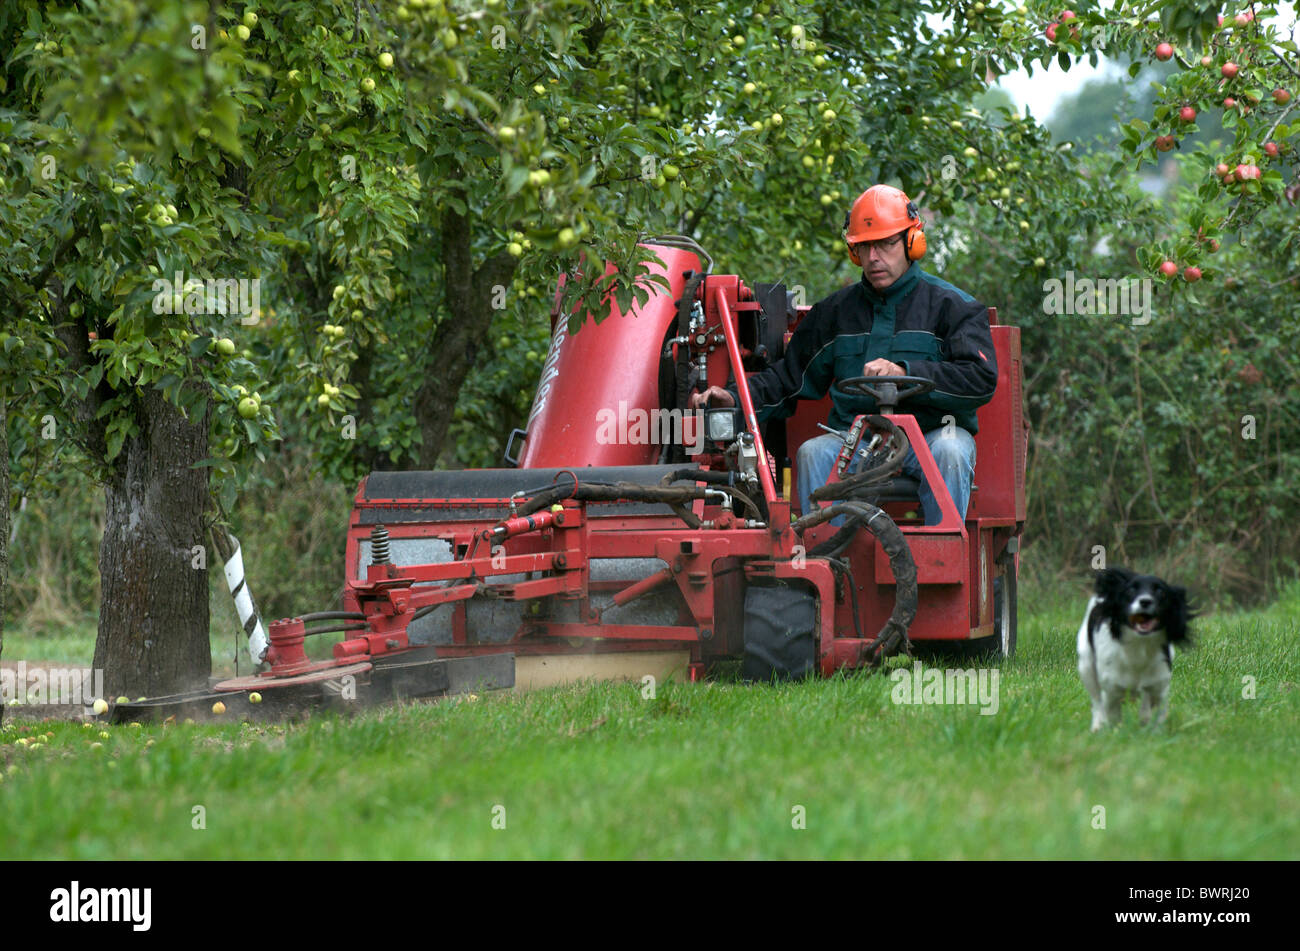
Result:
{"points": [[1112, 582], [1178, 614]]}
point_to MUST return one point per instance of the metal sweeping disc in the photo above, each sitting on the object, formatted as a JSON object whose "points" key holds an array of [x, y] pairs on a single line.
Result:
{"points": [[256, 682]]}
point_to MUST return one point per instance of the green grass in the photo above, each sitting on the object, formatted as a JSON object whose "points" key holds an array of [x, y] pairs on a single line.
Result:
{"points": [[711, 771]]}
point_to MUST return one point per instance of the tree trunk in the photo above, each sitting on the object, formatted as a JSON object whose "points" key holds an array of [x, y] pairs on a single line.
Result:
{"points": [[153, 619], [458, 339]]}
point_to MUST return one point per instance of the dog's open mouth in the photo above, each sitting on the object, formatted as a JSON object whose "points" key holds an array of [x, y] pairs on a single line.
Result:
{"points": [[1142, 623]]}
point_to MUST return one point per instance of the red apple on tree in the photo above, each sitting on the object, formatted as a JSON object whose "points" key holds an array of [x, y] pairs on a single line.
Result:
{"points": [[1164, 142], [1164, 51], [1229, 103], [1221, 169], [1050, 32], [1270, 149], [1169, 269], [1067, 14], [1207, 61], [1281, 96], [1229, 70], [1187, 113], [1213, 244], [1191, 274]]}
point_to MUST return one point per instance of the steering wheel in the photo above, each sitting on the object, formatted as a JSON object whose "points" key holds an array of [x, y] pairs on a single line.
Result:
{"points": [[887, 391]]}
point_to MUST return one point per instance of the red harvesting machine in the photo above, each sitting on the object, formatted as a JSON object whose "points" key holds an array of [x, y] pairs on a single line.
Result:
{"points": [[634, 537]]}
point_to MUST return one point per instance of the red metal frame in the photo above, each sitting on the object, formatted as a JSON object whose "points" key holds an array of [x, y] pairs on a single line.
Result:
{"points": [[555, 549]]}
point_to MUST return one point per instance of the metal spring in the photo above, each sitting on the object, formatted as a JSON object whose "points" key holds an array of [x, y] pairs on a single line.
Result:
{"points": [[379, 545]]}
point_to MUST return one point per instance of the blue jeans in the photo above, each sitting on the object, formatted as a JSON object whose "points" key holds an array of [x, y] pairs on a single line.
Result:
{"points": [[954, 453]]}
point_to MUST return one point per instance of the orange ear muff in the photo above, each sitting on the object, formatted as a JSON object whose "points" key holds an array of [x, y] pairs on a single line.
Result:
{"points": [[915, 242]]}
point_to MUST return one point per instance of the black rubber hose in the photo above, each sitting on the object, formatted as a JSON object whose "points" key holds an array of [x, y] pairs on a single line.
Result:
{"points": [[848, 487], [619, 492], [894, 542], [726, 481], [711, 476]]}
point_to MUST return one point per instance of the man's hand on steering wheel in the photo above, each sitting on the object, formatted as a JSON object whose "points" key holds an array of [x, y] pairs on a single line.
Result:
{"points": [[882, 367]]}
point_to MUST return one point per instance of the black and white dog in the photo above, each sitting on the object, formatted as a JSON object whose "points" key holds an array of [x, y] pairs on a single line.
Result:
{"points": [[1126, 643]]}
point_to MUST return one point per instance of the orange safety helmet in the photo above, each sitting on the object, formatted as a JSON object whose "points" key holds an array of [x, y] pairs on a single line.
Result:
{"points": [[879, 212]]}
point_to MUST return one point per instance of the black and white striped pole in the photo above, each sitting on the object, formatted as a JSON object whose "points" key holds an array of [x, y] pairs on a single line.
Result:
{"points": [[233, 559]]}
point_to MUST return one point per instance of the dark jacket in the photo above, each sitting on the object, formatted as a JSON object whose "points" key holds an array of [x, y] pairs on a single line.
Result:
{"points": [[927, 326]]}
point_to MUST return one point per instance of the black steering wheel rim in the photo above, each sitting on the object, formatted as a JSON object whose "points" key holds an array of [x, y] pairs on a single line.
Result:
{"points": [[904, 387]]}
